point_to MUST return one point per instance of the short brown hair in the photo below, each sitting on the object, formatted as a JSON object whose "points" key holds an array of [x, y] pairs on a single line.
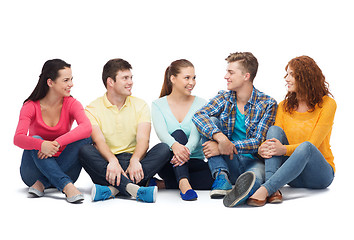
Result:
{"points": [[247, 60], [112, 67]]}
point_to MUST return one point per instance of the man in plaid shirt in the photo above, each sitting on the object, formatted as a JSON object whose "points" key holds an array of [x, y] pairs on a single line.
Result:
{"points": [[233, 125]]}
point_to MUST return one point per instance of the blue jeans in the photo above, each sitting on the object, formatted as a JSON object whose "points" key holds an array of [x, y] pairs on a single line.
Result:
{"points": [[305, 168], [53, 171], [96, 166], [195, 170], [234, 168]]}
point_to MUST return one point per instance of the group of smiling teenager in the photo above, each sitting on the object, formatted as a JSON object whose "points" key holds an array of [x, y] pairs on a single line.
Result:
{"points": [[253, 147]]}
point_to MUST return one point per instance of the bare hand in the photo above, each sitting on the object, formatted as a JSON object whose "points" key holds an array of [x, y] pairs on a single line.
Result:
{"points": [[181, 152], [135, 171], [114, 172], [276, 148], [226, 147], [176, 162], [210, 149], [48, 149], [264, 149]]}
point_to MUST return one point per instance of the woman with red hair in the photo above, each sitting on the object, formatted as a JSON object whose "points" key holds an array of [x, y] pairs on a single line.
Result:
{"points": [[297, 150]]}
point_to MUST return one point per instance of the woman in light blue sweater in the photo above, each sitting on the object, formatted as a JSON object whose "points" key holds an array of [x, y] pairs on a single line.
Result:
{"points": [[172, 118]]}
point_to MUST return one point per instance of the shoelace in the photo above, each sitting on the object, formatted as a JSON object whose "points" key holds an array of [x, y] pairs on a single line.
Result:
{"points": [[106, 194], [219, 182]]}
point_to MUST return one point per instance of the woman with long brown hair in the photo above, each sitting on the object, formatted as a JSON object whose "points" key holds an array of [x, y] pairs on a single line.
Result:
{"points": [[172, 118], [51, 148], [297, 150]]}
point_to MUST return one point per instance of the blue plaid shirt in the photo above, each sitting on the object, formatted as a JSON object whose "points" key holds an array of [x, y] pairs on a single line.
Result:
{"points": [[259, 113]]}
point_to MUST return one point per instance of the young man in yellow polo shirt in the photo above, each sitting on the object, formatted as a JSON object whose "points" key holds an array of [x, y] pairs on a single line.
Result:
{"points": [[119, 160]]}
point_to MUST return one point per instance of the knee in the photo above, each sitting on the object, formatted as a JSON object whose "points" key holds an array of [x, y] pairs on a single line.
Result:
{"points": [[163, 149], [84, 152], [275, 132], [305, 146], [180, 136]]}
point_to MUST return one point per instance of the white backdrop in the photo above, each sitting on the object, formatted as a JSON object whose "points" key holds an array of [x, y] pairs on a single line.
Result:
{"points": [[151, 34]]}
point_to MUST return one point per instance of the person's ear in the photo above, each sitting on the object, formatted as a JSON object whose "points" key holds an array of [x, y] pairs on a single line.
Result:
{"points": [[50, 82], [247, 76], [173, 79], [110, 81]]}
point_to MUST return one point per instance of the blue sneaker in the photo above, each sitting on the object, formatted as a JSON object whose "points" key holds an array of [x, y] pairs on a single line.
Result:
{"points": [[241, 191], [147, 194], [99, 193], [220, 187], [190, 195]]}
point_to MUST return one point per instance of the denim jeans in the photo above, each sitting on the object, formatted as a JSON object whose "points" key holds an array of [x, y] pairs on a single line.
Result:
{"points": [[53, 171], [305, 168], [234, 168], [96, 166], [195, 170]]}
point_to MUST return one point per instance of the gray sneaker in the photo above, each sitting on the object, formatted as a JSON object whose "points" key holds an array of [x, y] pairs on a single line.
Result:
{"points": [[241, 191]]}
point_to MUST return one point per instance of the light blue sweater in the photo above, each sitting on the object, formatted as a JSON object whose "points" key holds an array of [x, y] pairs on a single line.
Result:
{"points": [[165, 124]]}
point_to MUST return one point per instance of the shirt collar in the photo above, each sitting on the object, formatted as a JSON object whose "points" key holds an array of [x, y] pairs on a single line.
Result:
{"points": [[252, 99], [108, 104]]}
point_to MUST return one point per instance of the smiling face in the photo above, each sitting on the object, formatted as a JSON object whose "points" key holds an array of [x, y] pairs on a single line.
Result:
{"points": [[123, 83], [235, 76], [63, 83], [290, 80], [184, 82]]}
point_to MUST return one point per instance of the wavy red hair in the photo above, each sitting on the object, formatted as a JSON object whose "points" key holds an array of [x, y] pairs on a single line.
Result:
{"points": [[310, 83]]}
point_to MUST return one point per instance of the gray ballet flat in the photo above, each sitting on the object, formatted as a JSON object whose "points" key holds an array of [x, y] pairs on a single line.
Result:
{"points": [[76, 199], [34, 193]]}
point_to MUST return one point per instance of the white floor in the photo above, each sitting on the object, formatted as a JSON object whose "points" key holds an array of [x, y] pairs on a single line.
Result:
{"points": [[303, 214]]}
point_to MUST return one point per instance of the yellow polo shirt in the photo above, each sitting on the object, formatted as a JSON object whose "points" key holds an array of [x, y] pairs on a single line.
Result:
{"points": [[119, 127]]}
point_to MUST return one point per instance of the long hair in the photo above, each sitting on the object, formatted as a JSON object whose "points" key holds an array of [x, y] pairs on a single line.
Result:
{"points": [[49, 71], [173, 70], [310, 84]]}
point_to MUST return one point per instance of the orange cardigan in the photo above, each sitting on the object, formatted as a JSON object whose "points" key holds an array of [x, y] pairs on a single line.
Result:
{"points": [[315, 127]]}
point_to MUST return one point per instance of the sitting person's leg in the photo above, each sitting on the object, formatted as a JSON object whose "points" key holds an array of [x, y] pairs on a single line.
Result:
{"points": [[317, 174], [248, 182], [219, 170], [96, 167], [200, 175], [155, 159]]}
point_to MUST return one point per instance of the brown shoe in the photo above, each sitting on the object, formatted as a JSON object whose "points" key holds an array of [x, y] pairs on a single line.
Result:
{"points": [[275, 198], [256, 203]]}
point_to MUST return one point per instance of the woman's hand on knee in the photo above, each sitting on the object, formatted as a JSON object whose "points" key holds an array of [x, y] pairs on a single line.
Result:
{"points": [[48, 149]]}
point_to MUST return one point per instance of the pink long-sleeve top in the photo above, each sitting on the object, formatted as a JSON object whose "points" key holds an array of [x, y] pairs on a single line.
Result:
{"points": [[31, 123]]}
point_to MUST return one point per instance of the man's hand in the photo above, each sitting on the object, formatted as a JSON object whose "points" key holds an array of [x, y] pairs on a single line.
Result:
{"points": [[113, 173], [135, 171], [226, 147], [210, 149]]}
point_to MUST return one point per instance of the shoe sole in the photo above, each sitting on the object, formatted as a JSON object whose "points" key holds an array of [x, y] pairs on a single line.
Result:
{"points": [[93, 192], [76, 199], [155, 194], [218, 194], [34, 193], [240, 191]]}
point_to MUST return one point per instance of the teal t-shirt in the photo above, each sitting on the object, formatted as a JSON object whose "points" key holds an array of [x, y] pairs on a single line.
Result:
{"points": [[239, 132]]}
